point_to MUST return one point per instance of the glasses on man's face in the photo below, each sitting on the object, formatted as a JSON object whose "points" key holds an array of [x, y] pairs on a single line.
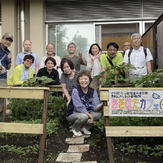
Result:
{"points": [[126, 45], [50, 48], [29, 61], [71, 47]]}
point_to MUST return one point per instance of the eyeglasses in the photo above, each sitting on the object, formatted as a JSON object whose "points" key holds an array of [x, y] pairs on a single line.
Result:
{"points": [[126, 45], [71, 47], [50, 48], [29, 61]]}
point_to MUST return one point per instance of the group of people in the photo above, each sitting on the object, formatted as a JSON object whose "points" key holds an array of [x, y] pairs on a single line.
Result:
{"points": [[79, 87]]}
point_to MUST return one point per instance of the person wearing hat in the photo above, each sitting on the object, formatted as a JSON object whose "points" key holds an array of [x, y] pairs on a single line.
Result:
{"points": [[5, 61], [5, 57], [5, 54]]}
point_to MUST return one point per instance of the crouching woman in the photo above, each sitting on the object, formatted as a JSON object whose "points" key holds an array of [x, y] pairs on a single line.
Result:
{"points": [[84, 107]]}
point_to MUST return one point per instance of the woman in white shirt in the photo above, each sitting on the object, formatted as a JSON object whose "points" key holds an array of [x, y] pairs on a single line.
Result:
{"points": [[93, 64]]}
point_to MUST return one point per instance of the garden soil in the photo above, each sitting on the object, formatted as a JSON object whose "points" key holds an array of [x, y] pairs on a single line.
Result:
{"points": [[55, 144]]}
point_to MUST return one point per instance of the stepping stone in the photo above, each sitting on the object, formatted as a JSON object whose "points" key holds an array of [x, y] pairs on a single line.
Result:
{"points": [[78, 148], [69, 157], [77, 140], [86, 162], [83, 136]]}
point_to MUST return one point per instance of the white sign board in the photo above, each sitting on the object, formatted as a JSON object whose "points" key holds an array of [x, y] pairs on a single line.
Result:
{"points": [[136, 103]]}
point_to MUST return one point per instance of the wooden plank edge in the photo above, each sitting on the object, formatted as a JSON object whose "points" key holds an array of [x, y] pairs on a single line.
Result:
{"points": [[21, 128], [134, 131]]}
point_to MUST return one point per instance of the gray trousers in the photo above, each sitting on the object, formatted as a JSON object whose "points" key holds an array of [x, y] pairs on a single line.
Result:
{"points": [[80, 120]]}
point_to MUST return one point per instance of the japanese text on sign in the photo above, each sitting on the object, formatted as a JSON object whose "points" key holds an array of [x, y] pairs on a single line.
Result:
{"points": [[136, 103]]}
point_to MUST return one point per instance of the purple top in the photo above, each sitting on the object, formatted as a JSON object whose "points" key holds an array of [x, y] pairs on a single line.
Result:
{"points": [[79, 106]]}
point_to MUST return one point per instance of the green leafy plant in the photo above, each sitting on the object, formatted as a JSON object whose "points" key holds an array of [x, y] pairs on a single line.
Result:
{"points": [[56, 107], [149, 80], [37, 81], [111, 74], [12, 149], [143, 149], [157, 151], [100, 125]]}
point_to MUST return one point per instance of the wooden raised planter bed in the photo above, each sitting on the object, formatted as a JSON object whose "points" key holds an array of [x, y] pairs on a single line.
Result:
{"points": [[117, 108]]}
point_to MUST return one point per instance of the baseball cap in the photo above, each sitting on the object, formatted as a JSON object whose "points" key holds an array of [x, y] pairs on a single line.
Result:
{"points": [[8, 35]]}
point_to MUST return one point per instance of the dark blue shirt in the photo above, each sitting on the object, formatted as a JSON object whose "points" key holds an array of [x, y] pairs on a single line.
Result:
{"points": [[4, 61]]}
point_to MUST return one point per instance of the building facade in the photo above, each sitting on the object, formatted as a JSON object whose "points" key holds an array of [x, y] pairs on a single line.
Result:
{"points": [[82, 21]]}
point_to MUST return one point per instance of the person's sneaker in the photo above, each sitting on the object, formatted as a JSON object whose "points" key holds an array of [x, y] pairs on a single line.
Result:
{"points": [[80, 133], [77, 134], [85, 131]]}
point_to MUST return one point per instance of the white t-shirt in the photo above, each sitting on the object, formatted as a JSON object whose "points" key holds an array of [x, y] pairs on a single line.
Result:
{"points": [[57, 59], [138, 60], [94, 69]]}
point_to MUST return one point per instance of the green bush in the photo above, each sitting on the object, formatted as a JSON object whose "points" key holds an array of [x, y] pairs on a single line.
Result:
{"points": [[25, 109], [30, 111]]}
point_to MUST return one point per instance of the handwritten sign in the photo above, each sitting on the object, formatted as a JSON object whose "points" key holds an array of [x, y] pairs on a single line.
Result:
{"points": [[136, 103]]}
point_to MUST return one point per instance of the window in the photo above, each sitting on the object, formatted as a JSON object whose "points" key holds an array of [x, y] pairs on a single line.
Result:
{"points": [[118, 33], [62, 34]]}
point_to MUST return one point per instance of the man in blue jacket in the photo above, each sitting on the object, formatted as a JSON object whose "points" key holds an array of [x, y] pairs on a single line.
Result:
{"points": [[5, 61]]}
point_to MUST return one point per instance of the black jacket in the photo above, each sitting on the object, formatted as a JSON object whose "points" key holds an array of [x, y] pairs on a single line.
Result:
{"points": [[53, 75]]}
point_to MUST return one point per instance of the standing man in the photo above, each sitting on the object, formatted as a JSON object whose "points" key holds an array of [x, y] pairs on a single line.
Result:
{"points": [[27, 44], [76, 60], [111, 58], [139, 57], [5, 61], [126, 46], [50, 53]]}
